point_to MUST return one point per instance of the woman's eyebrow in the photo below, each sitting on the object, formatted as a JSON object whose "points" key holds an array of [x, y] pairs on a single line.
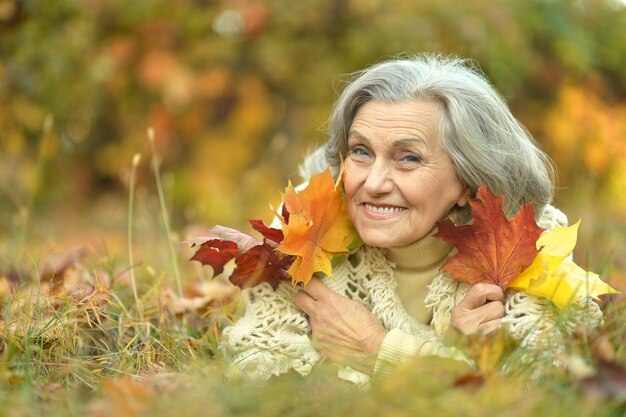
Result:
{"points": [[410, 141], [400, 142], [355, 134]]}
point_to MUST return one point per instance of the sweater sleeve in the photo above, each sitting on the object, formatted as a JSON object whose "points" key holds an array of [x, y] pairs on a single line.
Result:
{"points": [[399, 347], [272, 337]]}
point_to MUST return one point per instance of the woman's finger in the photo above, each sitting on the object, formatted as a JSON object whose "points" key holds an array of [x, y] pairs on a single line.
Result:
{"points": [[468, 321], [305, 302], [481, 293], [317, 290], [490, 311], [489, 327]]}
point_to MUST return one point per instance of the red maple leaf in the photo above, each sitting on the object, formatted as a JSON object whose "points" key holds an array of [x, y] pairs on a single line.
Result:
{"points": [[492, 249], [285, 214], [216, 253], [260, 264], [275, 235], [255, 261]]}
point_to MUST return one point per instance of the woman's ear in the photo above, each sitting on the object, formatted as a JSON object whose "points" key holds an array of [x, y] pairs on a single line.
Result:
{"points": [[465, 196]]}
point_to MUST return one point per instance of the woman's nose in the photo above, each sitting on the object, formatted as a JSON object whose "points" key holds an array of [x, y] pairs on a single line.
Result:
{"points": [[378, 179]]}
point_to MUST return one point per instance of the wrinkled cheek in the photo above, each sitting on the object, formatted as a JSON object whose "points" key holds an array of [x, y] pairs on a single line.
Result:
{"points": [[350, 179], [352, 212]]}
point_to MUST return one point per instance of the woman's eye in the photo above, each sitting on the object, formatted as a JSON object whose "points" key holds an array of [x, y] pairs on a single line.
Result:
{"points": [[410, 158], [358, 152]]}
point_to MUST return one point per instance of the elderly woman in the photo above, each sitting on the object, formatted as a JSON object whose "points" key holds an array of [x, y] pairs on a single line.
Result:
{"points": [[417, 137]]}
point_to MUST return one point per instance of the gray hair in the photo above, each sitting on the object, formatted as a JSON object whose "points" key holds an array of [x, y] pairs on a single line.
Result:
{"points": [[483, 139]]}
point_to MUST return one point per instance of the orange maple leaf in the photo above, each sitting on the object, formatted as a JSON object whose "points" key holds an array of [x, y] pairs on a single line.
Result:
{"points": [[318, 228], [492, 249]]}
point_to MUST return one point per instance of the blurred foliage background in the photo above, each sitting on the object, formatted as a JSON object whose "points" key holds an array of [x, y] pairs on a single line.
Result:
{"points": [[237, 91]]}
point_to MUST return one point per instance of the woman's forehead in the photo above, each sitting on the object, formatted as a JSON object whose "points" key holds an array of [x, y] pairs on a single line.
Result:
{"points": [[405, 120]]}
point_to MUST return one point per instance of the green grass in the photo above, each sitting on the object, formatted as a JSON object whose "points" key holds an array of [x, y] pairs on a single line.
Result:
{"points": [[105, 339], [112, 354]]}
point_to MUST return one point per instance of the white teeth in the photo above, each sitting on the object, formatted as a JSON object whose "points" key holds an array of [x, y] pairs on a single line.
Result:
{"points": [[383, 210]]}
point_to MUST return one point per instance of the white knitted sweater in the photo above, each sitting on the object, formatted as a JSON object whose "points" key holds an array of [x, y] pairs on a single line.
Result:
{"points": [[273, 336]]}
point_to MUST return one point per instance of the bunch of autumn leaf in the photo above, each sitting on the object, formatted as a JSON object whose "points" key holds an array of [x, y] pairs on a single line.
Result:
{"points": [[513, 253], [315, 230]]}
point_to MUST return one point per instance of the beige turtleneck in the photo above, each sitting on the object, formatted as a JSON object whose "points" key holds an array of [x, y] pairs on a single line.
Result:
{"points": [[416, 266]]}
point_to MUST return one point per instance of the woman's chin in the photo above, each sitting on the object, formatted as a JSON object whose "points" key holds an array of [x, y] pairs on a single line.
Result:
{"points": [[382, 241]]}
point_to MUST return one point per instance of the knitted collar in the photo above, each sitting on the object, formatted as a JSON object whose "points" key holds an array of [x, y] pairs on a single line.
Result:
{"points": [[421, 255]]}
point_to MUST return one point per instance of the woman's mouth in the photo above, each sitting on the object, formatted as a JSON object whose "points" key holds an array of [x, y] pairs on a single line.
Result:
{"points": [[382, 212]]}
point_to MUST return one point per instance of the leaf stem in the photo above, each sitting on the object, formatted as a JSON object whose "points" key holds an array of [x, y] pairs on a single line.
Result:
{"points": [[131, 204], [166, 220]]}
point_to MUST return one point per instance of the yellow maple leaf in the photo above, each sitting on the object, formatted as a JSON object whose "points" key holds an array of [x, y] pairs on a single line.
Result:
{"points": [[552, 275], [318, 228]]}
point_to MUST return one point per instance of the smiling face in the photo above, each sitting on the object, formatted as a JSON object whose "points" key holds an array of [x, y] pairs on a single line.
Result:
{"points": [[397, 177]]}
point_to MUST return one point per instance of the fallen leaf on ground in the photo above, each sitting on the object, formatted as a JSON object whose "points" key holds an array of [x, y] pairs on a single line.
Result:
{"points": [[54, 266], [124, 397], [198, 297], [608, 383]]}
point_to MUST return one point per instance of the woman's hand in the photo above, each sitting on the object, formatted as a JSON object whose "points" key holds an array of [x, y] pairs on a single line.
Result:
{"points": [[344, 330], [480, 311]]}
